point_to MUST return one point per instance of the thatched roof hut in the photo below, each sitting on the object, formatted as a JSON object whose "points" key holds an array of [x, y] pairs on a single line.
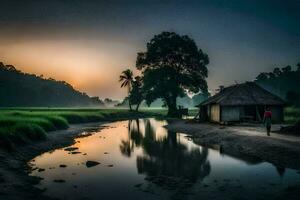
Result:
{"points": [[241, 102]]}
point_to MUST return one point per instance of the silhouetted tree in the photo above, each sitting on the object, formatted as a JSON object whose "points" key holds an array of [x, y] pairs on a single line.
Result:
{"points": [[171, 65], [293, 98], [126, 79], [271, 75], [136, 94], [262, 76], [277, 71], [282, 82], [298, 67], [287, 69]]}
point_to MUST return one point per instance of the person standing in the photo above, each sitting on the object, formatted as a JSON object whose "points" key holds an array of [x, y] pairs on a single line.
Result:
{"points": [[268, 120]]}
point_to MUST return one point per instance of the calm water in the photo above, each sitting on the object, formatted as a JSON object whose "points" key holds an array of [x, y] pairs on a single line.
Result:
{"points": [[140, 159]]}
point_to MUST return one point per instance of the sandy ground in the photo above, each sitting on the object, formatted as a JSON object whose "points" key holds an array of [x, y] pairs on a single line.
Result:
{"points": [[245, 140], [15, 184]]}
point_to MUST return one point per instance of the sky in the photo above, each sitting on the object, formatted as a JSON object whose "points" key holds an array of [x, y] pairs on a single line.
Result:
{"points": [[88, 43]]}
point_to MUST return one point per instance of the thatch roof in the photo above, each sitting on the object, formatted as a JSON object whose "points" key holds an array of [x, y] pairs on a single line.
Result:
{"points": [[248, 93]]}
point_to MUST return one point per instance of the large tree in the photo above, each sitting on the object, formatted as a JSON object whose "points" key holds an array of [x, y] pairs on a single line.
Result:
{"points": [[171, 66]]}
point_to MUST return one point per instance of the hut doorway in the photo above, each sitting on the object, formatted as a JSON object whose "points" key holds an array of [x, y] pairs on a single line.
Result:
{"points": [[252, 113], [203, 113]]}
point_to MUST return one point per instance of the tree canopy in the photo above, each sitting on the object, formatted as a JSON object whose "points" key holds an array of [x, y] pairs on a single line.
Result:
{"points": [[282, 81], [126, 79], [171, 66]]}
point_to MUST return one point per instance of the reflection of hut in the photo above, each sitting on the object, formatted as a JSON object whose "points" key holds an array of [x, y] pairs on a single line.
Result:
{"points": [[241, 102]]}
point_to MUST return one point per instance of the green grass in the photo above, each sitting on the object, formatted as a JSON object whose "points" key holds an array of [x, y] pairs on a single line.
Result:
{"points": [[292, 115], [20, 125]]}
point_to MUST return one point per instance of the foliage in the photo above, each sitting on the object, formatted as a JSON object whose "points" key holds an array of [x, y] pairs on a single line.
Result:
{"points": [[22, 89], [283, 82], [293, 98], [126, 79], [292, 115], [172, 65], [20, 125]]}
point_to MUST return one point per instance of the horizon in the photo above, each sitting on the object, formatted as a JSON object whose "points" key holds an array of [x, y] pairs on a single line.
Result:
{"points": [[88, 44]]}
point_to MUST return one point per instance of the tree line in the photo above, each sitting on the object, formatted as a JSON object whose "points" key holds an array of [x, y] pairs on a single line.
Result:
{"points": [[283, 81], [19, 89]]}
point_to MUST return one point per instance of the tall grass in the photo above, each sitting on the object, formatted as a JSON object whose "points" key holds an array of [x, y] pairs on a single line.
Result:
{"points": [[20, 125]]}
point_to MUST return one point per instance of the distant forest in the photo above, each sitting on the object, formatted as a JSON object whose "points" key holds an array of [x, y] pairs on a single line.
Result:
{"points": [[22, 89], [284, 82]]}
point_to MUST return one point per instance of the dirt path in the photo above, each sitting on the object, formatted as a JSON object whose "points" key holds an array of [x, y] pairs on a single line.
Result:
{"points": [[259, 130], [248, 140], [15, 184]]}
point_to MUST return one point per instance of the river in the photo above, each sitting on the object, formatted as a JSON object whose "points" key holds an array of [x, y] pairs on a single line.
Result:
{"points": [[140, 159]]}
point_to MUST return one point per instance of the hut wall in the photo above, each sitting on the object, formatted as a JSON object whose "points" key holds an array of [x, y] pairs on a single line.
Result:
{"points": [[215, 113], [230, 113], [277, 113]]}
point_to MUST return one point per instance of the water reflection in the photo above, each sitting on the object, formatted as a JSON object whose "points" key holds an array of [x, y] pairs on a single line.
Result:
{"points": [[141, 159], [164, 157]]}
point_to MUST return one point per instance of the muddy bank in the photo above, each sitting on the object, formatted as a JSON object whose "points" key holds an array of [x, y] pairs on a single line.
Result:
{"points": [[15, 183], [244, 140]]}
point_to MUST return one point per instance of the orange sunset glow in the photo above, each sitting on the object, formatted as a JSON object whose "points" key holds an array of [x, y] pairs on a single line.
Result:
{"points": [[88, 65]]}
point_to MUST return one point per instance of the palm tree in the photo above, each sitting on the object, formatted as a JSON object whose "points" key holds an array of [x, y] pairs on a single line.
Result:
{"points": [[126, 79]]}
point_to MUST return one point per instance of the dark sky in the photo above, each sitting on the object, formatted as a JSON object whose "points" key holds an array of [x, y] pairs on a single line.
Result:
{"points": [[76, 39]]}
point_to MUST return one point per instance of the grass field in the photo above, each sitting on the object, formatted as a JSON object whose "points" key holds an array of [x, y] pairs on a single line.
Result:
{"points": [[19, 125], [292, 115]]}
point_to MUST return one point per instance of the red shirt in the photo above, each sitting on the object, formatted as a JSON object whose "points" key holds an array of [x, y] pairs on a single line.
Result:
{"points": [[267, 114]]}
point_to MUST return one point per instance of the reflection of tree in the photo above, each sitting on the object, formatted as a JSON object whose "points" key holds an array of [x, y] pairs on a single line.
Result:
{"points": [[167, 158], [126, 148], [134, 138]]}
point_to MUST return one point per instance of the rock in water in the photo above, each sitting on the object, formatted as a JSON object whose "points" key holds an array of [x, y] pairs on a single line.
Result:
{"points": [[59, 181], [91, 163], [75, 152], [71, 149]]}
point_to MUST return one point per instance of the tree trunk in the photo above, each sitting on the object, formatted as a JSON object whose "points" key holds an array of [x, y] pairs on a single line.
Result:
{"points": [[172, 107], [129, 104], [130, 108], [137, 106]]}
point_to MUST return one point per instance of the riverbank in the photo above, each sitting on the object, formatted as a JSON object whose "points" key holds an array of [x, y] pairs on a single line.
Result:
{"points": [[17, 149], [246, 140], [20, 126], [15, 183]]}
